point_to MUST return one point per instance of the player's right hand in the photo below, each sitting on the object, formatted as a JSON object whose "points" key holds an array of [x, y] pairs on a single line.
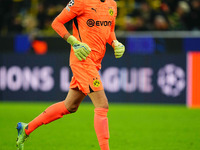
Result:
{"points": [[81, 50]]}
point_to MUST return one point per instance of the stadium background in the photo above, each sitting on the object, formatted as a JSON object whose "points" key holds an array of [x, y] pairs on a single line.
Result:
{"points": [[160, 36]]}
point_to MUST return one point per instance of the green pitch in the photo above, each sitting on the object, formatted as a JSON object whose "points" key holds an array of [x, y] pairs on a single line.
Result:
{"points": [[132, 127]]}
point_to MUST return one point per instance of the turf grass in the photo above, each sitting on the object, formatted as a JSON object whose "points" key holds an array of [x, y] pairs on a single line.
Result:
{"points": [[132, 127]]}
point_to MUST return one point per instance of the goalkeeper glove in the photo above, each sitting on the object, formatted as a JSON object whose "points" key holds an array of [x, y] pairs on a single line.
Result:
{"points": [[81, 50], [119, 48]]}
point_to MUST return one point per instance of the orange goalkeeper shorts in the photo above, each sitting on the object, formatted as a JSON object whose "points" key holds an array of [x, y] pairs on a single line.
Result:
{"points": [[86, 78]]}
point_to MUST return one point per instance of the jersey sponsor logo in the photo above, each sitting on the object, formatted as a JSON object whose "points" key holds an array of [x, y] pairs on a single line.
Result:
{"points": [[70, 4], [92, 23], [111, 12]]}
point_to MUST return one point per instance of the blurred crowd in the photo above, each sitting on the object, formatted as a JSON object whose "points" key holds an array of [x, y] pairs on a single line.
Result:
{"points": [[160, 15], [35, 16], [29, 16]]}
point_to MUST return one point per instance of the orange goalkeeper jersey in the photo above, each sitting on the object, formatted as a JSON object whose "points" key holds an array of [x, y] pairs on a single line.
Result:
{"points": [[93, 24]]}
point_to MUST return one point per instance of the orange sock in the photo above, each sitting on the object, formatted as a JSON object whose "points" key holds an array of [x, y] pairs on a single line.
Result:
{"points": [[52, 113], [101, 127]]}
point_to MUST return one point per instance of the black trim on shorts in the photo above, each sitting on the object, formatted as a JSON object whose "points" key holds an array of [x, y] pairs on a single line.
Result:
{"points": [[76, 24], [91, 90]]}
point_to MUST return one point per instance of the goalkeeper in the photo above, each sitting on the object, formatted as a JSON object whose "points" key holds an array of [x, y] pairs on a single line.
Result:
{"points": [[93, 27]]}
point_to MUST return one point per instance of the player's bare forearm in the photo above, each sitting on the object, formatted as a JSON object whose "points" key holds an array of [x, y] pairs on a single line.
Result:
{"points": [[66, 36]]}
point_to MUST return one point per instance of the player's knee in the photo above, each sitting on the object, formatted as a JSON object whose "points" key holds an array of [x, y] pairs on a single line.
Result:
{"points": [[73, 108], [106, 106]]}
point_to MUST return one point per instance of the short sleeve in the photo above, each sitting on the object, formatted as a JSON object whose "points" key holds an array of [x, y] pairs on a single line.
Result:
{"points": [[75, 6]]}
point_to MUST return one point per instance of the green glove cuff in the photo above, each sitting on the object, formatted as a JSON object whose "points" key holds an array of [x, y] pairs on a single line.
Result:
{"points": [[72, 40]]}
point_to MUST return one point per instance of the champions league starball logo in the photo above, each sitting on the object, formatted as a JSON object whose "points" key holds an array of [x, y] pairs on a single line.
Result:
{"points": [[71, 3], [171, 80]]}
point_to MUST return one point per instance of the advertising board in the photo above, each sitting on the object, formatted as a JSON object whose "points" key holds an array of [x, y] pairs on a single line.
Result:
{"points": [[133, 78]]}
